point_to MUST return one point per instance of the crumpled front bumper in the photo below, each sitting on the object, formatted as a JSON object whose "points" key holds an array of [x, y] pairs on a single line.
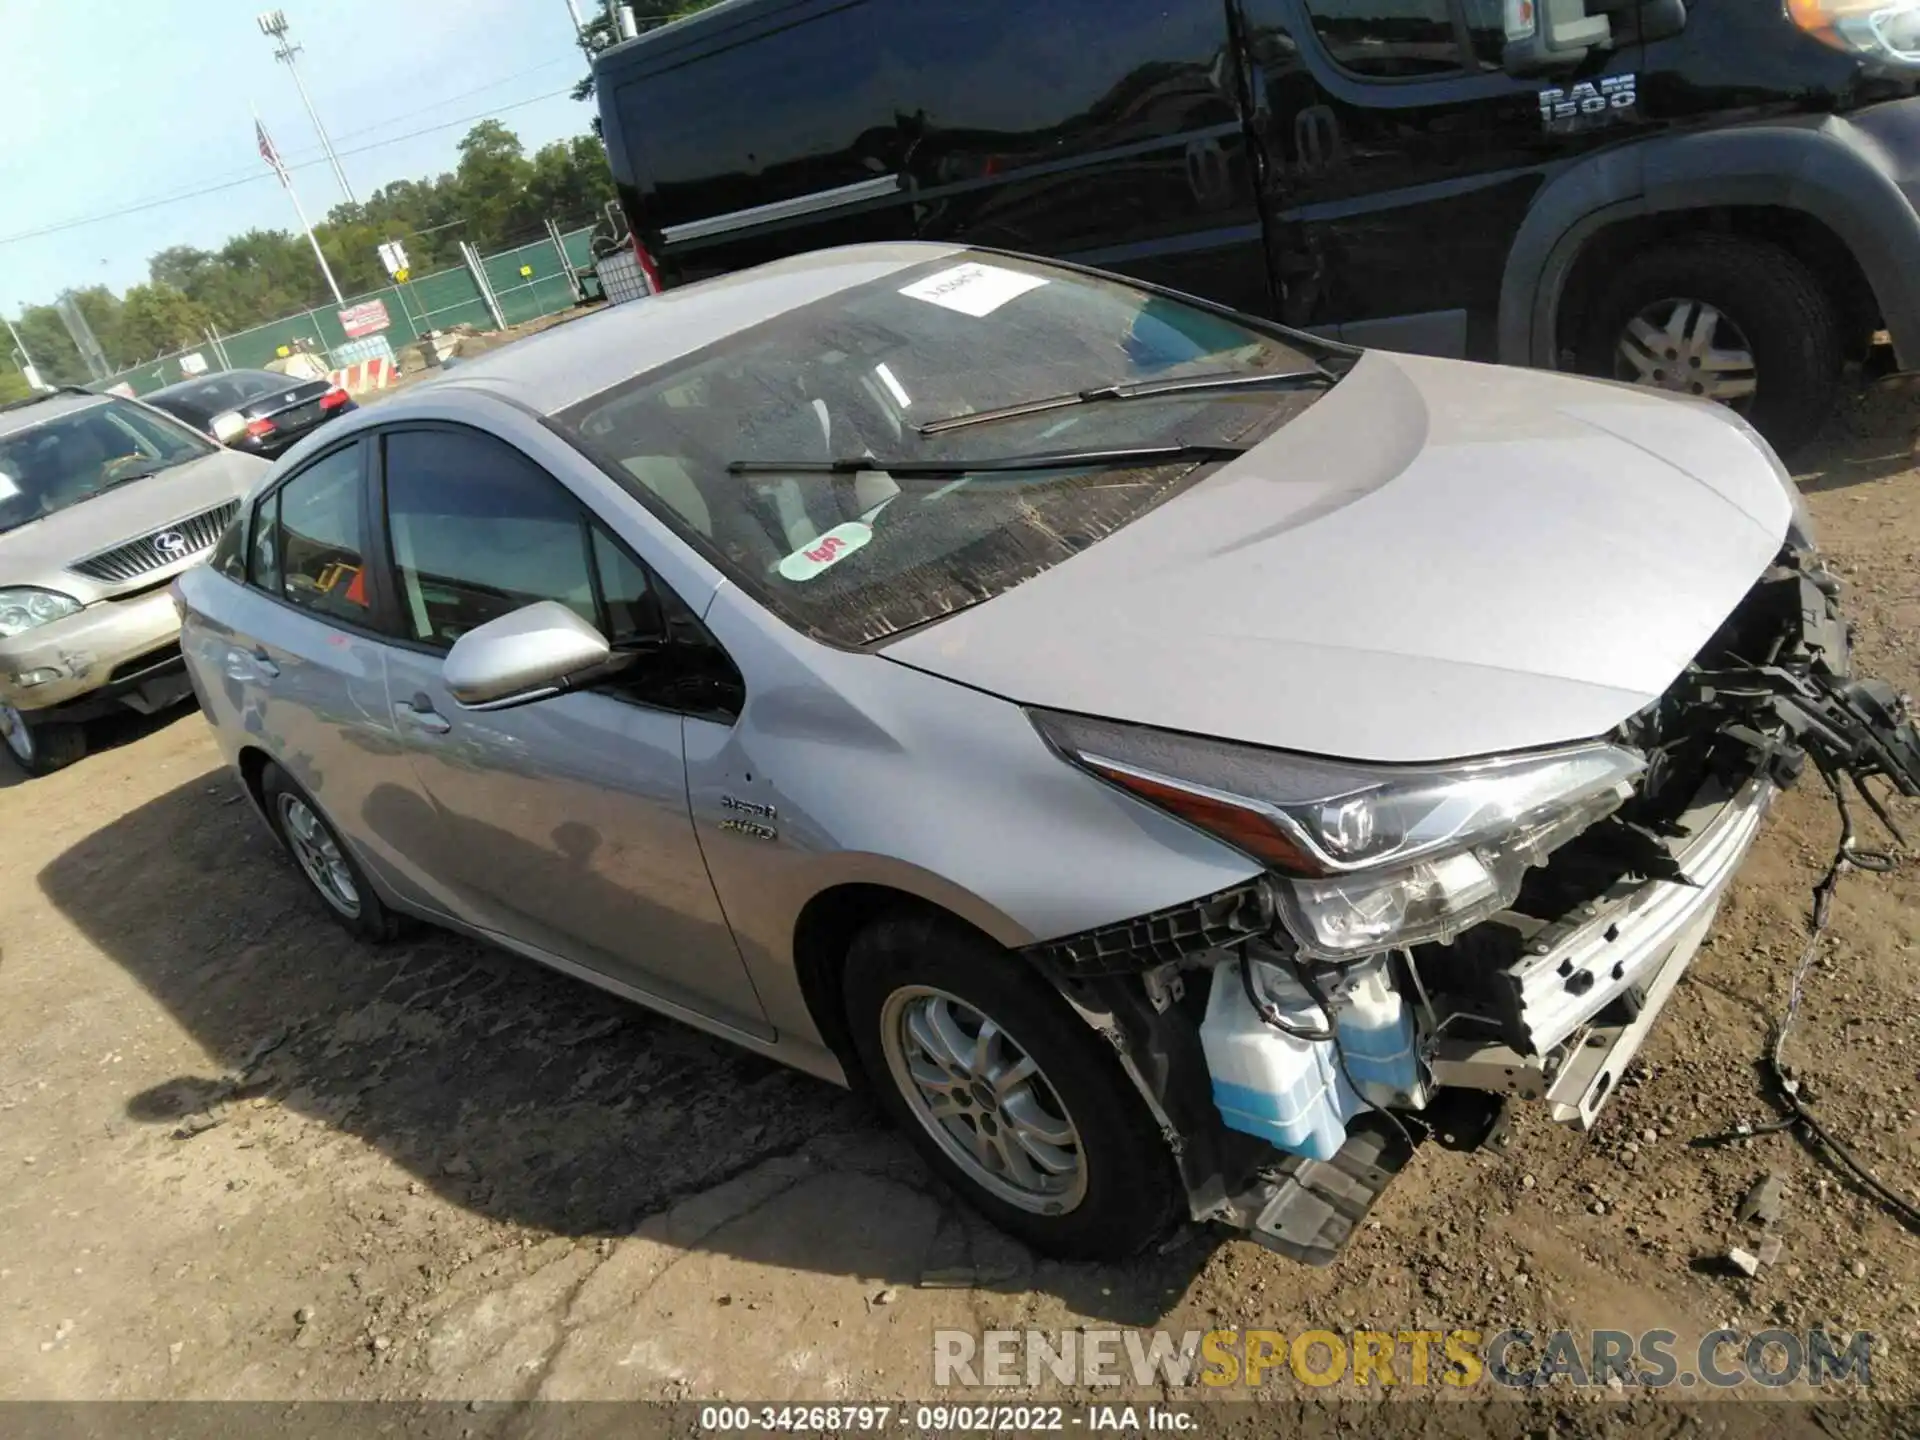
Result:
{"points": [[1630, 948]]}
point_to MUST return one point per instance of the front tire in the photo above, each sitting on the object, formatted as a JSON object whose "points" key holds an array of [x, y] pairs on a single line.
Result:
{"points": [[1724, 319], [44, 748], [1007, 1093], [324, 860]]}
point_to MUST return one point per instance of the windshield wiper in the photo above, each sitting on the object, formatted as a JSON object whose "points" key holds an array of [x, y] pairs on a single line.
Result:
{"points": [[132, 475], [953, 469], [1223, 382]]}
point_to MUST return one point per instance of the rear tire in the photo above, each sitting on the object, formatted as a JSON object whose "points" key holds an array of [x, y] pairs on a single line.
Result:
{"points": [[323, 859], [41, 749], [1039, 1128], [1770, 305]]}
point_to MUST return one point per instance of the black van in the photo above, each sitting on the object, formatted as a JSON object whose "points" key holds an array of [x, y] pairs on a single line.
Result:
{"points": [[1714, 196]]}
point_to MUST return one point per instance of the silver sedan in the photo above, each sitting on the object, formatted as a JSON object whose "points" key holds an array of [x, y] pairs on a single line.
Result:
{"points": [[1161, 753]]}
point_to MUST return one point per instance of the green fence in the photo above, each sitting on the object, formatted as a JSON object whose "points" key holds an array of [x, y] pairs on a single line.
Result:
{"points": [[528, 282]]}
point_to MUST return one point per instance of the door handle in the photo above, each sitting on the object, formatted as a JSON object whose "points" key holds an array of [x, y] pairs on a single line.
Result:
{"points": [[254, 664], [422, 716]]}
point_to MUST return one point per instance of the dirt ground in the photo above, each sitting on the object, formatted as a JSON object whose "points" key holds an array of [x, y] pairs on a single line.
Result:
{"points": [[242, 1156]]}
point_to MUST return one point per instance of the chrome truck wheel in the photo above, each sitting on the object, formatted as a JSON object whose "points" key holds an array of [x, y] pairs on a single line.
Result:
{"points": [[1690, 348]]}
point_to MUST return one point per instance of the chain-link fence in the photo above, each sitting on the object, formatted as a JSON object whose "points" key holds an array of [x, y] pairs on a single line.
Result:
{"points": [[525, 282]]}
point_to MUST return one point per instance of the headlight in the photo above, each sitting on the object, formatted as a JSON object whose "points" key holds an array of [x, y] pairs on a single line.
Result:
{"points": [[1376, 856], [25, 609], [1883, 29]]}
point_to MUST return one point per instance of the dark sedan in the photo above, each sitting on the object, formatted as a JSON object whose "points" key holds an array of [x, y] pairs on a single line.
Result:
{"points": [[253, 410]]}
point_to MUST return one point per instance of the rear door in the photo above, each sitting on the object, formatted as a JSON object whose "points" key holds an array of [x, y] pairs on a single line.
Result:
{"points": [[563, 823], [293, 658], [1107, 132], [1401, 158], [757, 132]]}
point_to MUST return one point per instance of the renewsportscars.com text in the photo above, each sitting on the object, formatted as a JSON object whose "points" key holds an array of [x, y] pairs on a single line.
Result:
{"points": [[1512, 1358]]}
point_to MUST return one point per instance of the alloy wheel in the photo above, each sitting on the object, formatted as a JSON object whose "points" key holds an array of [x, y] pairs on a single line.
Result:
{"points": [[319, 855], [14, 730], [984, 1100], [1690, 348]]}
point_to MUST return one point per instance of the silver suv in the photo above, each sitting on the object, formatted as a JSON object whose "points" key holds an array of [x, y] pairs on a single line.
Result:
{"points": [[102, 502]]}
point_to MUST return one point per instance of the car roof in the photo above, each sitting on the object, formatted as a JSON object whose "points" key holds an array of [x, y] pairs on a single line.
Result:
{"points": [[26, 414], [558, 367], [182, 387]]}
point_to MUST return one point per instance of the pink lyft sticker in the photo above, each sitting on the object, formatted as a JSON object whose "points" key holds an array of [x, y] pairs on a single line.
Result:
{"points": [[830, 549]]}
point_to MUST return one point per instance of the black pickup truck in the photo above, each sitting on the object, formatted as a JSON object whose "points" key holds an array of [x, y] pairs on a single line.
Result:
{"points": [[1717, 197]]}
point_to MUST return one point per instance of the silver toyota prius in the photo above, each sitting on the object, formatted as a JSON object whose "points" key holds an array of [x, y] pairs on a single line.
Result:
{"points": [[1167, 757]]}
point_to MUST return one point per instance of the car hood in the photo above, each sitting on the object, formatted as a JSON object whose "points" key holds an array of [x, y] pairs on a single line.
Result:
{"points": [[1438, 560], [40, 553]]}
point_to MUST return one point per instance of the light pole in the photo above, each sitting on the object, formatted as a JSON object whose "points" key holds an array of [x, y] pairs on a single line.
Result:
{"points": [[273, 24], [27, 366]]}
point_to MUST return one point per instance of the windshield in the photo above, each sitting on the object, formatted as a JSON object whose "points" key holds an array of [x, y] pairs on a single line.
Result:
{"points": [[84, 453], [855, 557]]}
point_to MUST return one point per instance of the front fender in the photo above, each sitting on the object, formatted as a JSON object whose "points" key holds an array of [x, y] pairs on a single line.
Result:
{"points": [[1825, 166]]}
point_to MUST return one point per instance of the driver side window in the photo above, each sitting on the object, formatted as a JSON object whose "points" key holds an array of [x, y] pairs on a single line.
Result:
{"points": [[477, 530]]}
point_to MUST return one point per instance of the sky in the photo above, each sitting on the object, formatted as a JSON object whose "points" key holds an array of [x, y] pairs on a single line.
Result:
{"points": [[114, 104]]}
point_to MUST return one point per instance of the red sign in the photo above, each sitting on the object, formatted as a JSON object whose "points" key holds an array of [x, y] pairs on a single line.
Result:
{"points": [[367, 318]]}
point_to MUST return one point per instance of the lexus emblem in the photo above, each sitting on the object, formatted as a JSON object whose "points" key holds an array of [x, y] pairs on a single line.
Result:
{"points": [[170, 543], [287, 399]]}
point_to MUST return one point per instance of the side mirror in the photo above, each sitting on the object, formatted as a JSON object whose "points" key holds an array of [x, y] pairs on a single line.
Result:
{"points": [[227, 427], [532, 654], [1544, 35]]}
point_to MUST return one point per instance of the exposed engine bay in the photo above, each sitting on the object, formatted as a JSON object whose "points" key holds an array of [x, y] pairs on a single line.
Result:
{"points": [[1292, 1086]]}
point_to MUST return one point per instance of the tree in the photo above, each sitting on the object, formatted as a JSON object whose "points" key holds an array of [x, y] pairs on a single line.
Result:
{"points": [[495, 196], [183, 267], [598, 33], [157, 320], [492, 176], [569, 180]]}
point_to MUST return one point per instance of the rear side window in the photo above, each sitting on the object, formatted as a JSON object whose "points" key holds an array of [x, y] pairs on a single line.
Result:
{"points": [[229, 555], [813, 90], [968, 88], [1389, 39], [263, 552], [320, 545]]}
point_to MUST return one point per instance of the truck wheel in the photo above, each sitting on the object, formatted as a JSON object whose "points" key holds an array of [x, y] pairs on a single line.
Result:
{"points": [[41, 749], [1732, 320], [326, 862], [1007, 1093]]}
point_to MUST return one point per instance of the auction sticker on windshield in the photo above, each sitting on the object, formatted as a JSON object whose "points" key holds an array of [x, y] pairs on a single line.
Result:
{"points": [[972, 289], [830, 549]]}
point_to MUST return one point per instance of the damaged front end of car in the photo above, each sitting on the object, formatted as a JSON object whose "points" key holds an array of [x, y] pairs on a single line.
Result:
{"points": [[1428, 942]]}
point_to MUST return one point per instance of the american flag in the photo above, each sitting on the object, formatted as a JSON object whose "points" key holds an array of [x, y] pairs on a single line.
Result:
{"points": [[267, 152]]}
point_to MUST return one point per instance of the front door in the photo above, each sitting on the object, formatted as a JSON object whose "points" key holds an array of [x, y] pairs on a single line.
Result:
{"points": [[563, 823], [1401, 159]]}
